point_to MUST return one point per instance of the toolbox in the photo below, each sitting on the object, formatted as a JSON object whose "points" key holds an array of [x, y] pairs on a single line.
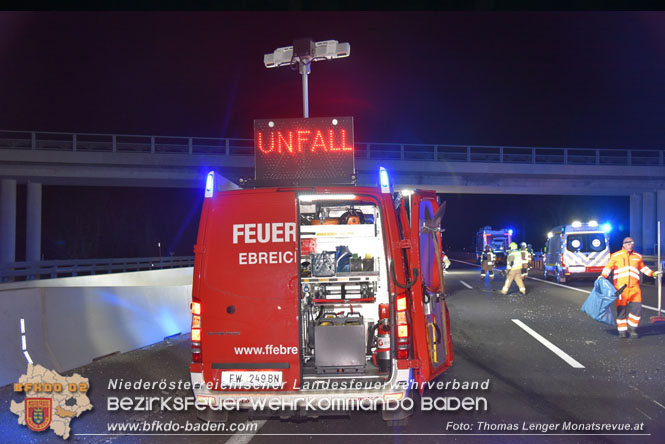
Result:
{"points": [[339, 344]]}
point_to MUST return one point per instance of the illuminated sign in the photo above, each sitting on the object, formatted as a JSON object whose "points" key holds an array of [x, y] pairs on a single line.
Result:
{"points": [[312, 151]]}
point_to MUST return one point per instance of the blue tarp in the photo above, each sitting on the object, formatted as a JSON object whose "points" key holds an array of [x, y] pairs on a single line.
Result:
{"points": [[599, 303]]}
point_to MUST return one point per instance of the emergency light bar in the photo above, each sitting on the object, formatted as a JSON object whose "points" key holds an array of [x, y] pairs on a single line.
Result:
{"points": [[384, 180], [210, 184]]}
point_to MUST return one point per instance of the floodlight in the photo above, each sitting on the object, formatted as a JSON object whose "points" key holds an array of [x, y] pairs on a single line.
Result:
{"points": [[303, 53]]}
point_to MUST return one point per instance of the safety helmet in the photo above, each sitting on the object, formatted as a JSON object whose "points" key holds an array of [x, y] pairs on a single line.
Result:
{"points": [[523, 245], [513, 246]]}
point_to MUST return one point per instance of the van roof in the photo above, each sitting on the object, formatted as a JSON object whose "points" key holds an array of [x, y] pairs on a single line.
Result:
{"points": [[570, 229]]}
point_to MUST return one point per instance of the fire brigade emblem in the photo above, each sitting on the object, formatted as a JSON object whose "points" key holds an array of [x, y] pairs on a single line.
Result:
{"points": [[38, 413]]}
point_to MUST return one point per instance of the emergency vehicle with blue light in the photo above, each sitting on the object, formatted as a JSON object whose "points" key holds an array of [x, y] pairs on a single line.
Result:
{"points": [[308, 288], [576, 250], [498, 240]]}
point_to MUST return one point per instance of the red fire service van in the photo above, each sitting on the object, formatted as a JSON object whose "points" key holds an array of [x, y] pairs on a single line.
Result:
{"points": [[312, 295]]}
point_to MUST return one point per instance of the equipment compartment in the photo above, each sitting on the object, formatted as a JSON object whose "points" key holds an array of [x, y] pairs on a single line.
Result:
{"points": [[343, 280]]}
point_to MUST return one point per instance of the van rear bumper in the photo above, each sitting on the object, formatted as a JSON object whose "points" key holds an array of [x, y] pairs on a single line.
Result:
{"points": [[590, 272], [394, 390]]}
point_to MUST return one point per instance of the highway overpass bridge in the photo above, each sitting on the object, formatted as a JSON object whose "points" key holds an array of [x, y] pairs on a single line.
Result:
{"points": [[50, 158]]}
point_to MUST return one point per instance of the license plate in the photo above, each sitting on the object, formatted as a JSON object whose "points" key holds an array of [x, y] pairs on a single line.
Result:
{"points": [[577, 268], [248, 379]]}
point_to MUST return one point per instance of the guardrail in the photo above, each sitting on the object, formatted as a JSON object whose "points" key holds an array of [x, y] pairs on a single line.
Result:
{"points": [[127, 143], [64, 268]]}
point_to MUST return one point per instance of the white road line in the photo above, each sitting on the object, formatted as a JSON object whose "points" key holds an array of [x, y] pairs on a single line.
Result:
{"points": [[650, 418], [246, 437], [560, 285], [648, 307], [654, 309], [466, 285], [24, 346], [464, 262], [556, 350], [658, 403]]}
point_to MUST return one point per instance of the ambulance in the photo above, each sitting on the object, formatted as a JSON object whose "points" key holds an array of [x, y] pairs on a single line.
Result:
{"points": [[576, 250], [313, 296]]}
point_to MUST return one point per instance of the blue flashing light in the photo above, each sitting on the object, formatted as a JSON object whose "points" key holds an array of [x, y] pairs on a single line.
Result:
{"points": [[510, 231], [210, 183], [384, 180], [607, 228]]}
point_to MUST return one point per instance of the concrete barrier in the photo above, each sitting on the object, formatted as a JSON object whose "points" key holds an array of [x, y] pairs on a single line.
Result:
{"points": [[71, 321]]}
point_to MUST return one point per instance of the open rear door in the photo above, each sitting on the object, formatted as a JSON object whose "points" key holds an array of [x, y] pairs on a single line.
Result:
{"points": [[431, 324], [249, 297]]}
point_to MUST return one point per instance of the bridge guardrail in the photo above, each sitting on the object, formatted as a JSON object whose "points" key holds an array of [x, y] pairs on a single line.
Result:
{"points": [[64, 268], [128, 143]]}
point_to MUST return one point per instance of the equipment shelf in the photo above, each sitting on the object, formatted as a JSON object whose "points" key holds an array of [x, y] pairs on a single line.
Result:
{"points": [[350, 277]]}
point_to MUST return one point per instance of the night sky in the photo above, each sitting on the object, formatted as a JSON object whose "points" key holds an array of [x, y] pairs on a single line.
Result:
{"points": [[584, 79]]}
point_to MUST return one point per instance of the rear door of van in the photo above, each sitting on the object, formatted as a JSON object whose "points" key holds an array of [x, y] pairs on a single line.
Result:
{"points": [[432, 341], [249, 292]]}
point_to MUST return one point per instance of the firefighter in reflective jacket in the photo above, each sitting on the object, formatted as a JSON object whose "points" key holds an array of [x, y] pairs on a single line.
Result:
{"points": [[627, 266], [514, 269], [526, 259], [487, 263]]}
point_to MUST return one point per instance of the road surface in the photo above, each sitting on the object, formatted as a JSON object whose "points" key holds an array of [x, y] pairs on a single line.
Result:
{"points": [[553, 374]]}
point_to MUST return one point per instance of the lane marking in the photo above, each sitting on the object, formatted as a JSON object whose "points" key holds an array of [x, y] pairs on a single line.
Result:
{"points": [[650, 418], [244, 438], [466, 285], [560, 285], [24, 345], [464, 262], [654, 309], [648, 307], [556, 350], [658, 403], [644, 395]]}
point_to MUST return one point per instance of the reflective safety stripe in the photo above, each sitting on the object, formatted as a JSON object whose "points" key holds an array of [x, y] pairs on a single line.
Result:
{"points": [[635, 318], [632, 323], [626, 274], [622, 328], [621, 322]]}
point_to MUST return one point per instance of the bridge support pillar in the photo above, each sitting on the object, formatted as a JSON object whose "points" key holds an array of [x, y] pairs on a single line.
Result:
{"points": [[636, 220], [8, 221], [660, 216], [33, 223], [648, 222]]}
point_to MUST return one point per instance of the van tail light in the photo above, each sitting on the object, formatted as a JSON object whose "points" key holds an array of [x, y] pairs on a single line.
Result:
{"points": [[402, 331], [197, 355], [402, 327]]}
